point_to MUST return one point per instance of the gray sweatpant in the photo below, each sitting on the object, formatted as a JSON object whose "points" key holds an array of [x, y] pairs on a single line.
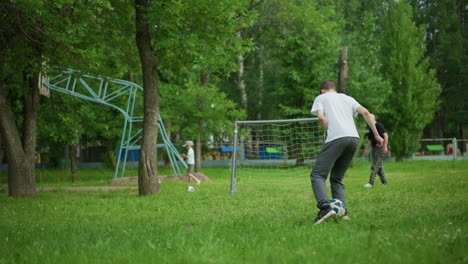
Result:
{"points": [[334, 158]]}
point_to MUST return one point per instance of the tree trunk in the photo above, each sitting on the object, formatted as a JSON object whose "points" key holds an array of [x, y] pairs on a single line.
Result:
{"points": [[2, 151], [73, 163], [261, 82], [21, 153], [244, 98], [148, 182], [462, 143], [198, 149], [440, 124], [343, 76], [204, 79], [240, 76]]}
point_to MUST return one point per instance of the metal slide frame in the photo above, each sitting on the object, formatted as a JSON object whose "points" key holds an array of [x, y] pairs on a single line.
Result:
{"points": [[107, 91]]}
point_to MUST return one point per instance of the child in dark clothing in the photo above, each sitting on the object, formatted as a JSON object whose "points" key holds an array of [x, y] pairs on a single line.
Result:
{"points": [[377, 154]]}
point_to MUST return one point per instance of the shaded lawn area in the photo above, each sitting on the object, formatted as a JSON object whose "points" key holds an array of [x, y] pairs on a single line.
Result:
{"points": [[420, 217]]}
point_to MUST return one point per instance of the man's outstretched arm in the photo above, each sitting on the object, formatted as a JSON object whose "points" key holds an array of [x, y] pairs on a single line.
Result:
{"points": [[371, 122], [385, 144]]}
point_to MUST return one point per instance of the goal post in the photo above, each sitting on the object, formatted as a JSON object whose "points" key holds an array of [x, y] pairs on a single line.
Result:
{"points": [[274, 154]]}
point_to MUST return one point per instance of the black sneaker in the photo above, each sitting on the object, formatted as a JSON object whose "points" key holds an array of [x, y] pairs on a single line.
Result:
{"points": [[324, 214]]}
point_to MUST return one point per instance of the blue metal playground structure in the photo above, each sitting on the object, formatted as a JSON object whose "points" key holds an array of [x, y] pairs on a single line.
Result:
{"points": [[123, 96]]}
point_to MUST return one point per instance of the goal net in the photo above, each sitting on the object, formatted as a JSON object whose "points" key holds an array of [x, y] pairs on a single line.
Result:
{"points": [[274, 154]]}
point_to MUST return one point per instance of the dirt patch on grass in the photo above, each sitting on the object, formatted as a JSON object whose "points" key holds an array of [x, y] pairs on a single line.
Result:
{"points": [[182, 178], [124, 183], [86, 188]]}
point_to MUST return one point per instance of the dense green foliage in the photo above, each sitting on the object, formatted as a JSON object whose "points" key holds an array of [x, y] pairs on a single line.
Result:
{"points": [[206, 110], [366, 81], [420, 217], [444, 23], [65, 119], [413, 98], [251, 59]]}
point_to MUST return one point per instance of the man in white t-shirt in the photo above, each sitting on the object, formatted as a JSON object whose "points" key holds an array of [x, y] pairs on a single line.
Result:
{"points": [[190, 161], [336, 112]]}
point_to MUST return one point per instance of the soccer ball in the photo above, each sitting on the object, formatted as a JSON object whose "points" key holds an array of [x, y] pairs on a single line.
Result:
{"points": [[338, 206], [190, 189]]}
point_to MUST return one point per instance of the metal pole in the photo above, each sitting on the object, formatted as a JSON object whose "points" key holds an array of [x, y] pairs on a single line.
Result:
{"points": [[117, 167], [233, 158], [128, 119], [170, 155], [455, 148], [171, 150]]}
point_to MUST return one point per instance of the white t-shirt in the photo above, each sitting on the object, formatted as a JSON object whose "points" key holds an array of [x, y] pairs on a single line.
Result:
{"points": [[340, 110], [190, 156]]}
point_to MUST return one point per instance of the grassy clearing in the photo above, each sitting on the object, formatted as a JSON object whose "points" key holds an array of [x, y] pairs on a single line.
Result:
{"points": [[421, 217]]}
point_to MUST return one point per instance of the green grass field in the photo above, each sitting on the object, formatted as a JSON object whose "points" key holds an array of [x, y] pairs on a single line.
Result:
{"points": [[420, 217]]}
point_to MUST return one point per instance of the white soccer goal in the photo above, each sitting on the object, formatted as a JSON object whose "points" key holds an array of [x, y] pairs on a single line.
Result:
{"points": [[275, 154]]}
